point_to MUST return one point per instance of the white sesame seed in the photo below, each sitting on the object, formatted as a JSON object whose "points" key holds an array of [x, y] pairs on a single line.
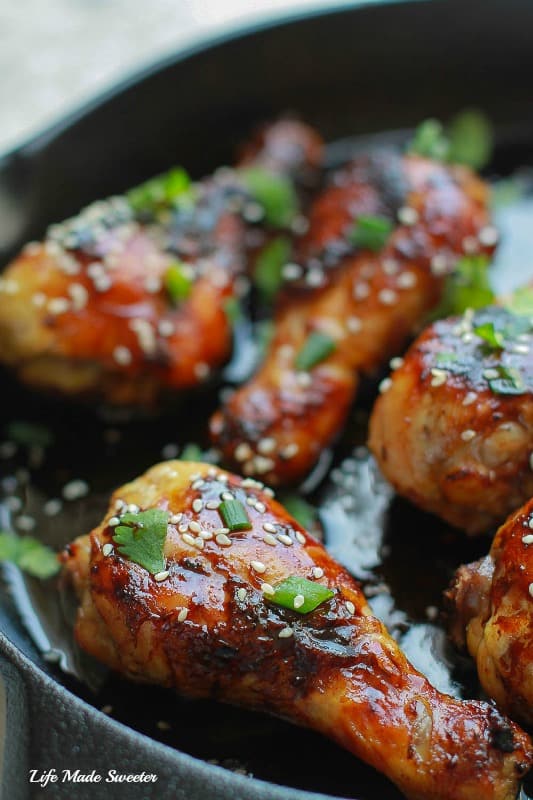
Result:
{"points": [[408, 215], [223, 540], [132, 508], [269, 539], [490, 374], [175, 518], [315, 277], [182, 616], [161, 576], [520, 349], [388, 297], [266, 588], [530, 589], [107, 549], [227, 496], [318, 572], [201, 370], [212, 505], [440, 376], [199, 543], [152, 284], [290, 450], [184, 527], [260, 507], [262, 464], [284, 539], [528, 538], [304, 379], [102, 283], [197, 505], [241, 594], [396, 363], [470, 244], [38, 299], [75, 489], [385, 385], [206, 535], [194, 526], [298, 601], [52, 507], [390, 266], [188, 539], [258, 566], [266, 446], [488, 236], [221, 530], [243, 452], [198, 484], [122, 355], [470, 398], [468, 435], [79, 295], [439, 264], [251, 500], [300, 537], [361, 290], [354, 324], [25, 522], [269, 527], [58, 305], [407, 280], [165, 328], [350, 607], [291, 272], [285, 633], [113, 522]]}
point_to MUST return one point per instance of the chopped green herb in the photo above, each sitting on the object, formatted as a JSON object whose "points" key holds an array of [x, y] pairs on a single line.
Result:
{"points": [[471, 139], [316, 349], [163, 192], [302, 511], [287, 591], [178, 284], [509, 381], [28, 554], [233, 310], [521, 301], [191, 452], [371, 232], [274, 193], [430, 140], [467, 287], [234, 515], [269, 265], [468, 139], [29, 434], [264, 333], [141, 537], [493, 338]]}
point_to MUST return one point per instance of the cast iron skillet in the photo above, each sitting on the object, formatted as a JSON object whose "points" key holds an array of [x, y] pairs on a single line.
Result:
{"points": [[351, 71]]}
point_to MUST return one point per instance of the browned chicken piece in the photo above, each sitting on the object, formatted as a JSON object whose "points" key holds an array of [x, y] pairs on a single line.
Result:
{"points": [[364, 304], [493, 604], [454, 430], [212, 623], [124, 303]]}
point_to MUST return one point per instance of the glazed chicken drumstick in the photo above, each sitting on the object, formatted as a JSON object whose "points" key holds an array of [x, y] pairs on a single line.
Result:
{"points": [[454, 430], [129, 298], [248, 608], [355, 296], [493, 615]]}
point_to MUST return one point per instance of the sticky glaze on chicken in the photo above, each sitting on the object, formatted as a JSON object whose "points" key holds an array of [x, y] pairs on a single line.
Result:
{"points": [[493, 603], [206, 627], [88, 311], [454, 430], [366, 303]]}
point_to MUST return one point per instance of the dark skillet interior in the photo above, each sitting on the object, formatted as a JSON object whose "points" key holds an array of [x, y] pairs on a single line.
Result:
{"points": [[349, 73]]}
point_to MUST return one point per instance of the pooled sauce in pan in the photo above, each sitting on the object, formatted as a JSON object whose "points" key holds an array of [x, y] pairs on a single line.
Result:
{"points": [[403, 557]]}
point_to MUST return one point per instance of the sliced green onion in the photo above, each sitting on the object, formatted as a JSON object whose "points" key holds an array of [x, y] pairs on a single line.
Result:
{"points": [[314, 594], [162, 192], [177, 283], [430, 140], [29, 434], [316, 349], [509, 381], [269, 265], [371, 232], [191, 452], [234, 515], [300, 509], [468, 286], [274, 193], [471, 139], [490, 335], [233, 310]]}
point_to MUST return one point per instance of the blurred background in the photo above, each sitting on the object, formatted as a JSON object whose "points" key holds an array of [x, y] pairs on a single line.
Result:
{"points": [[56, 54]]}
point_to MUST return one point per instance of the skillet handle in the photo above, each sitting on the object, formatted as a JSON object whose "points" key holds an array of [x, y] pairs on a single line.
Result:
{"points": [[14, 733]]}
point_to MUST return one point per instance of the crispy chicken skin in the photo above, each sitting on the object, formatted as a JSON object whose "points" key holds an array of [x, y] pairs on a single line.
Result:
{"points": [[87, 310], [446, 436], [208, 630], [368, 302], [493, 615]]}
